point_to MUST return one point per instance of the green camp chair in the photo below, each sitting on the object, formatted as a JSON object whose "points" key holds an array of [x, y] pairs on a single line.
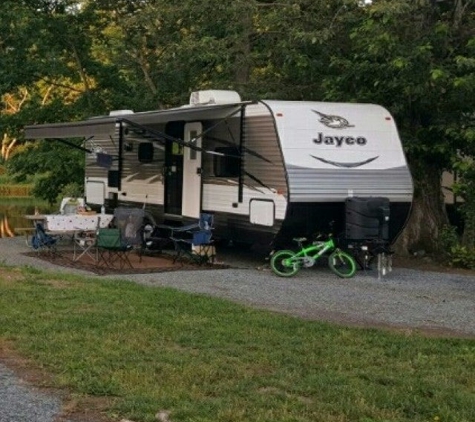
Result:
{"points": [[111, 251]]}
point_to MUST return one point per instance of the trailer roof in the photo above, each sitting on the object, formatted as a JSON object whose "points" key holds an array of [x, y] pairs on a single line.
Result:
{"points": [[106, 125]]}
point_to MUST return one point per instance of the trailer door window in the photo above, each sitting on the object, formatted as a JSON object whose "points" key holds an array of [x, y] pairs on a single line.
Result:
{"points": [[193, 135], [228, 164]]}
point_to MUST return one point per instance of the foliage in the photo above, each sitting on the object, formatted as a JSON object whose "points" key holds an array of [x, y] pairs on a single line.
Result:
{"points": [[448, 238], [453, 251], [465, 188], [74, 190], [462, 256], [416, 60], [55, 166]]}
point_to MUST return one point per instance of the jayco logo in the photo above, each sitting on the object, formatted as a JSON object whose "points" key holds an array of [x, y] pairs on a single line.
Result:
{"points": [[337, 122], [340, 140]]}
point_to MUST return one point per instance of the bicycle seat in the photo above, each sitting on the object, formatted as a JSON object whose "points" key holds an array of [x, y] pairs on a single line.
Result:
{"points": [[299, 239]]}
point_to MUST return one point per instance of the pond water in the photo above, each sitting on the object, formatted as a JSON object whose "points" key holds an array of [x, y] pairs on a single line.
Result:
{"points": [[12, 212]]}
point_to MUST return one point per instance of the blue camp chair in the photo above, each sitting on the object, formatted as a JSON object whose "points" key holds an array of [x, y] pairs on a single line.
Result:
{"points": [[194, 241], [41, 241]]}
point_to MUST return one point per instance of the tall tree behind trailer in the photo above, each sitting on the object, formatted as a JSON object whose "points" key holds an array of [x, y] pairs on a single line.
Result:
{"points": [[416, 59]]}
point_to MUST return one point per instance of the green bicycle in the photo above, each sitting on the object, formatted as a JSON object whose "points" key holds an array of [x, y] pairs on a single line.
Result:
{"points": [[287, 263]]}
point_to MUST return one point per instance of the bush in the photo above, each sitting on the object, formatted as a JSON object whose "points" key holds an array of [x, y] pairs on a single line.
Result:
{"points": [[74, 190], [448, 238], [453, 252], [462, 257]]}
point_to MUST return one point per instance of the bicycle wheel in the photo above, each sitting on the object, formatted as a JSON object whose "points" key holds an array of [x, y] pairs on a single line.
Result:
{"points": [[283, 265], [342, 264]]}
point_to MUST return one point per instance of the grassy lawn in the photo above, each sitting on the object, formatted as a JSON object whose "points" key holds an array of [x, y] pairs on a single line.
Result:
{"points": [[205, 359]]}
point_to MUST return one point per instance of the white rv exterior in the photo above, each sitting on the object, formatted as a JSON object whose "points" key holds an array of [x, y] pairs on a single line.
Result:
{"points": [[267, 170]]}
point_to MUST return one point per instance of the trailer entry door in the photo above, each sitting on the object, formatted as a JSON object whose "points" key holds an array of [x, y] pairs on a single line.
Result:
{"points": [[191, 202], [173, 170]]}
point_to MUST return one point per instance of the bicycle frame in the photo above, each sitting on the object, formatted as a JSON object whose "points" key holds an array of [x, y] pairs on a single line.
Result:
{"points": [[320, 248]]}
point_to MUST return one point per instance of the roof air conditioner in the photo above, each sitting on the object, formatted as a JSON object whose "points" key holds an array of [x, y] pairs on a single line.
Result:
{"points": [[120, 112], [214, 97]]}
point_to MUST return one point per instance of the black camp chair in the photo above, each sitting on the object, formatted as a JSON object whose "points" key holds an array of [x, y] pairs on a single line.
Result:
{"points": [[130, 223], [194, 241]]}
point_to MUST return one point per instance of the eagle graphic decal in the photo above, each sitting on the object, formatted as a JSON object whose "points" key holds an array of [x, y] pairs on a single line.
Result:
{"points": [[334, 122]]}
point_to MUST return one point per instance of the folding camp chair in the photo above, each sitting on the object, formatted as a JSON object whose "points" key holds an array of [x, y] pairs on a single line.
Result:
{"points": [[110, 249], [130, 222], [114, 245], [194, 241], [41, 240]]}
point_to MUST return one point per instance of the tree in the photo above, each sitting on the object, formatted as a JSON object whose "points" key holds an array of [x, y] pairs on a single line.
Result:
{"points": [[414, 58], [50, 74], [54, 165]]}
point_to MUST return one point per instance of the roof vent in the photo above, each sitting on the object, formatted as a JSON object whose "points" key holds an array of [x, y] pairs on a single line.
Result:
{"points": [[214, 96], [120, 112]]}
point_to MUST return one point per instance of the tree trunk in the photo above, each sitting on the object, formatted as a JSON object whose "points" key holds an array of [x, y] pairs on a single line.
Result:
{"points": [[7, 146], [243, 49], [82, 74], [428, 214]]}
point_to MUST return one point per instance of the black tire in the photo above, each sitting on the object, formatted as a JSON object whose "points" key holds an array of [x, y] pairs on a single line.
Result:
{"points": [[277, 264], [342, 264]]}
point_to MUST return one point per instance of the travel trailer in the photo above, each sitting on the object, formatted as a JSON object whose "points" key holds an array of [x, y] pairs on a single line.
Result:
{"points": [[267, 170]]}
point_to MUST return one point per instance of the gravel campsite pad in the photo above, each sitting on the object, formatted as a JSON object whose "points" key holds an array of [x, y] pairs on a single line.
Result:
{"points": [[407, 298]]}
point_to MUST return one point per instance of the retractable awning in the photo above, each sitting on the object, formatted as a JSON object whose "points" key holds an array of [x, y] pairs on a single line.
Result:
{"points": [[106, 126], [84, 129]]}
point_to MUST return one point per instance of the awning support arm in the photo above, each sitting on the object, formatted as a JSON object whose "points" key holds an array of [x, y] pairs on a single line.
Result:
{"points": [[163, 137], [241, 163], [71, 144], [120, 164], [224, 119]]}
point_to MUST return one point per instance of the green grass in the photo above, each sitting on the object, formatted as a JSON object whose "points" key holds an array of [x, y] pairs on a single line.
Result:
{"points": [[205, 359]]}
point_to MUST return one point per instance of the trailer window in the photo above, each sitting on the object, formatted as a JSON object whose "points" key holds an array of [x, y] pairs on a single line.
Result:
{"points": [[228, 164]]}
